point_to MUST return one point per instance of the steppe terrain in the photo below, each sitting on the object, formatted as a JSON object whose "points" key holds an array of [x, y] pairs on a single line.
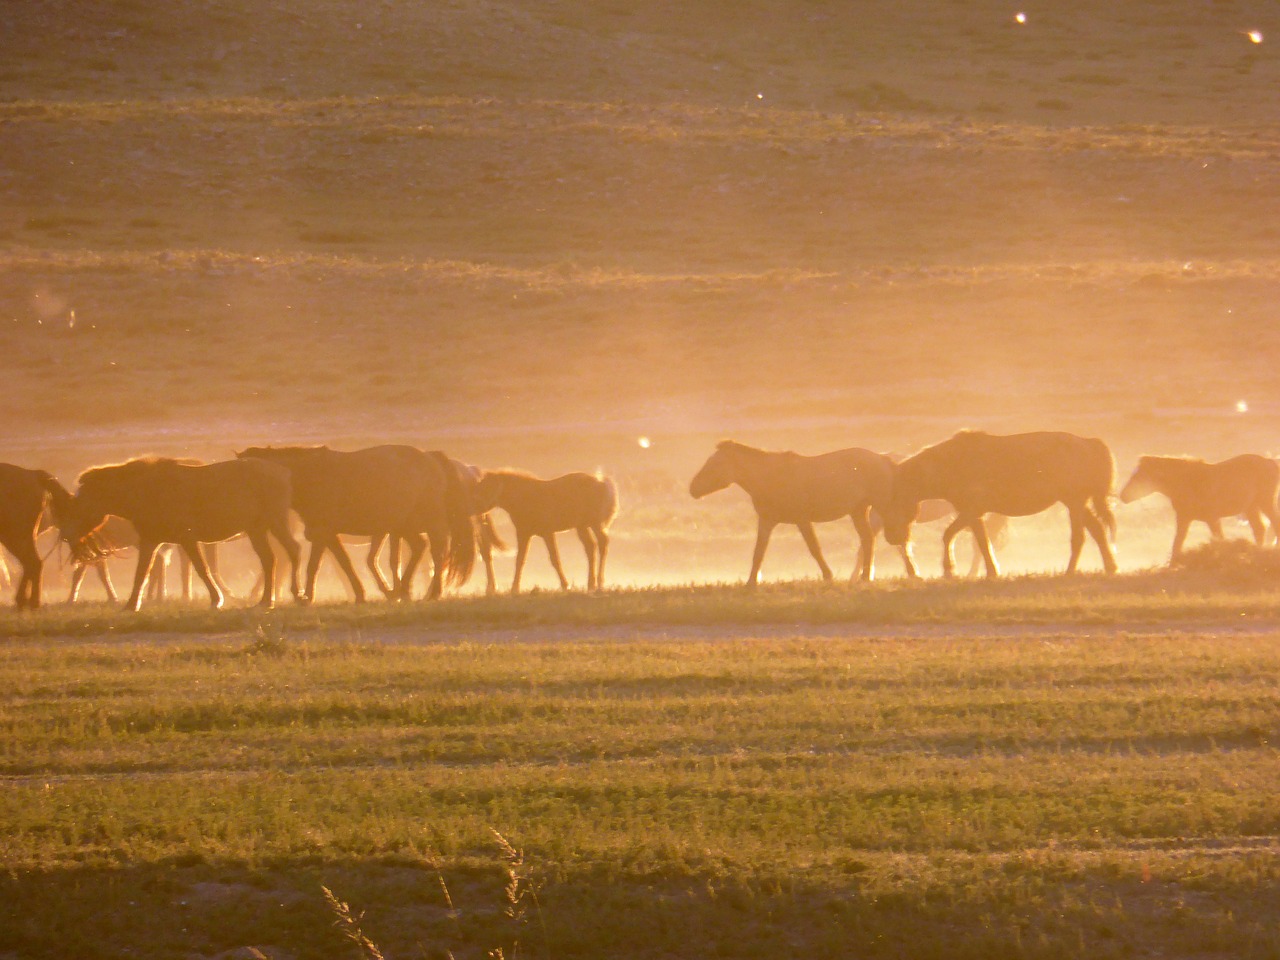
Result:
{"points": [[535, 234]]}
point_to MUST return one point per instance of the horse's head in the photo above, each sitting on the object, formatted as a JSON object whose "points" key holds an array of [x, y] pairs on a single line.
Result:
{"points": [[78, 519], [1143, 482], [898, 515], [717, 473], [487, 492]]}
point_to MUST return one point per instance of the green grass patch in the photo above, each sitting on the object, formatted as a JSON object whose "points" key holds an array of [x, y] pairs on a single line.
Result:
{"points": [[968, 794]]}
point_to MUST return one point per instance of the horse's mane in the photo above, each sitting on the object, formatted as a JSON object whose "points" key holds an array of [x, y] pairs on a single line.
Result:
{"points": [[149, 460], [510, 473], [1162, 458], [291, 448]]}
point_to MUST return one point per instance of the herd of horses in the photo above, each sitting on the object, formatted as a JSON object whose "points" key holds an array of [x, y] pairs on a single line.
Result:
{"points": [[431, 503]]}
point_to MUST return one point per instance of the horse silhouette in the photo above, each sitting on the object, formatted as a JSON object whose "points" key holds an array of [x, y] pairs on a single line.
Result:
{"points": [[580, 502], [786, 487], [24, 495], [389, 490], [980, 473], [1242, 486], [170, 501]]}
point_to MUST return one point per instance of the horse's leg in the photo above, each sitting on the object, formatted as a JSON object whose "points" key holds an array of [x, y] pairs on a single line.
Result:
{"points": [[1215, 528], [764, 529], [439, 542], [158, 581], [105, 576], [78, 573], [32, 571], [261, 544], [982, 544], [215, 571], [375, 547], [866, 568], [1077, 536], [815, 548], [602, 544], [1179, 536], [344, 563], [909, 560], [1269, 509], [554, 553], [948, 538], [1093, 523], [314, 556], [522, 553], [589, 545], [198, 563], [284, 536], [146, 555], [1259, 529], [485, 541]]}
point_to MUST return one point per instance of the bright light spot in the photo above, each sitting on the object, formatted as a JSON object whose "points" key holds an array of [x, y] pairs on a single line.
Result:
{"points": [[1020, 17], [1254, 36], [759, 96], [645, 443], [1242, 406]]}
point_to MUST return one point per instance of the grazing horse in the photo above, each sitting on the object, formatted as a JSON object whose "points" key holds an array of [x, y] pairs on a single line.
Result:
{"points": [[1242, 486], [389, 490], [1018, 475], [168, 501], [23, 496], [540, 508], [787, 487]]}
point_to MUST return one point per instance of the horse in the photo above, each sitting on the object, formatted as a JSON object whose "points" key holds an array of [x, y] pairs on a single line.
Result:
{"points": [[487, 538], [390, 490], [580, 502], [786, 487], [1017, 475], [1242, 486], [168, 501], [24, 495]]}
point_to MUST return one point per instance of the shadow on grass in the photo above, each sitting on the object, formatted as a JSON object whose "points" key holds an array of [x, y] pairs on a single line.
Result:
{"points": [[195, 909]]}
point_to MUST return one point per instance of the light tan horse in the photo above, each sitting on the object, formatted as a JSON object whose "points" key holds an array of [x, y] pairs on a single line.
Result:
{"points": [[168, 501], [980, 473], [1242, 486], [787, 487], [580, 502]]}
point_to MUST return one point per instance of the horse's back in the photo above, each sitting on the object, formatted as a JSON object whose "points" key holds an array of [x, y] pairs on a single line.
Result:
{"points": [[825, 486], [1024, 473], [366, 491]]}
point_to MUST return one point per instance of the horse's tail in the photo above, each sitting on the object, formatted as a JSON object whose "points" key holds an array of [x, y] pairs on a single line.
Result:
{"points": [[1104, 487], [608, 500], [462, 532]]}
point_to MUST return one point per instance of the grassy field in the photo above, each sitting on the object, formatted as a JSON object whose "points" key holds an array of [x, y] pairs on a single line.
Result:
{"points": [[962, 790]]}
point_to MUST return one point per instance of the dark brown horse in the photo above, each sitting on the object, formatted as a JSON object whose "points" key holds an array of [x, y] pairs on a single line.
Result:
{"points": [[390, 490], [787, 487], [23, 497], [1242, 486], [540, 508], [168, 501], [1018, 475]]}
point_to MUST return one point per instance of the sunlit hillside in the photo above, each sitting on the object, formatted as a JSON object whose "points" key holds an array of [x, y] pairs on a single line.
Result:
{"points": [[531, 233]]}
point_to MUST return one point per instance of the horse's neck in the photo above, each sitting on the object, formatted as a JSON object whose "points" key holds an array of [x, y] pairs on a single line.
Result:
{"points": [[755, 471], [918, 480]]}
